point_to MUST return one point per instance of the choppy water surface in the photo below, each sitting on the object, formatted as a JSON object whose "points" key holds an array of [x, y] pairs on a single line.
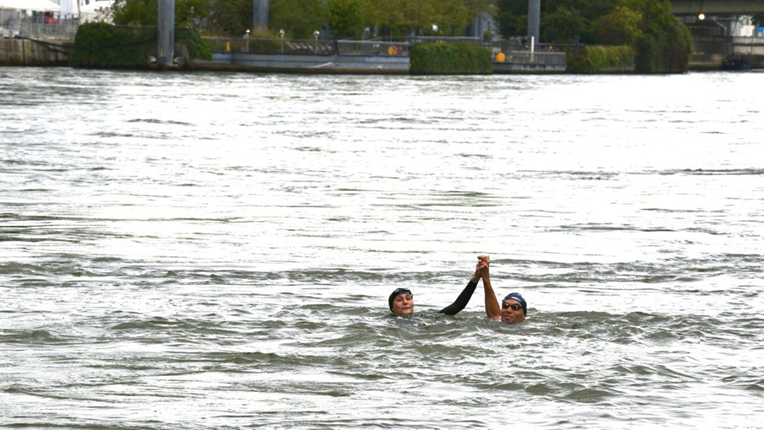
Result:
{"points": [[216, 250]]}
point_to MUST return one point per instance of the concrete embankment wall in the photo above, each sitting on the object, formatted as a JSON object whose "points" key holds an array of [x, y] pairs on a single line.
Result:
{"points": [[25, 52], [305, 63], [363, 64]]}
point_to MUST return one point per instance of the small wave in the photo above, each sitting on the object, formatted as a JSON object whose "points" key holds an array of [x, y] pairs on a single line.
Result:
{"points": [[711, 172], [153, 323], [158, 121], [33, 336]]}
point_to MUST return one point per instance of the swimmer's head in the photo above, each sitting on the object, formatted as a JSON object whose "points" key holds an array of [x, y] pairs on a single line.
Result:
{"points": [[401, 302], [513, 308]]}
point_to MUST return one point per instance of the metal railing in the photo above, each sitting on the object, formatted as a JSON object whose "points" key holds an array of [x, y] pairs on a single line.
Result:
{"points": [[372, 48], [538, 58], [376, 48], [271, 46], [38, 26]]}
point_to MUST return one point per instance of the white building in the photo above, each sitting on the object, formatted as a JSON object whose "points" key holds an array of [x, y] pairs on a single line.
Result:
{"points": [[87, 9]]}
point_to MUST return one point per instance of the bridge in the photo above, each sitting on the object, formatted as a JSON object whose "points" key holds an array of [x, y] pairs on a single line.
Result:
{"points": [[717, 7]]}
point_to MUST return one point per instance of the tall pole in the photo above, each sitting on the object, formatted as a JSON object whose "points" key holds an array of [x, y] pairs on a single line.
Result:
{"points": [[259, 15], [166, 33], [535, 7]]}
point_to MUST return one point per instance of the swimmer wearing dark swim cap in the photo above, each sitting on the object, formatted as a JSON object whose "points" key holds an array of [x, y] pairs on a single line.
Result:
{"points": [[401, 300]]}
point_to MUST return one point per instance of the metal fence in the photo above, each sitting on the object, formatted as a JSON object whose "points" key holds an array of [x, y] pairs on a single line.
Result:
{"points": [[399, 48], [271, 46], [372, 48], [38, 26], [540, 58]]}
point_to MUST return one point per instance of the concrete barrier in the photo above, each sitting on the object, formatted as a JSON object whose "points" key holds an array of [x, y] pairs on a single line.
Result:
{"points": [[27, 52]]}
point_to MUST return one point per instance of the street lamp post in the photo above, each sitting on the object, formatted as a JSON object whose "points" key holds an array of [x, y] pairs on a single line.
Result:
{"points": [[247, 40], [316, 41], [281, 34]]}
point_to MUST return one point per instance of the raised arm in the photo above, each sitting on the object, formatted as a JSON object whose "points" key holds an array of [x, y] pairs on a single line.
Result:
{"points": [[465, 295], [490, 299]]}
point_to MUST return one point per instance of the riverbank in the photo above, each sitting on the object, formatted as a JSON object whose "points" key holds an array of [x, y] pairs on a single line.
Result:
{"points": [[37, 52], [56, 53]]}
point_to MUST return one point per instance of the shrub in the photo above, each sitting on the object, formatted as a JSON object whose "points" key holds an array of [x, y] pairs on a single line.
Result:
{"points": [[596, 59], [104, 45], [449, 58]]}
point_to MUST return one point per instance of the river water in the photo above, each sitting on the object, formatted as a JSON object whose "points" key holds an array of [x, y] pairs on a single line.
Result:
{"points": [[215, 250]]}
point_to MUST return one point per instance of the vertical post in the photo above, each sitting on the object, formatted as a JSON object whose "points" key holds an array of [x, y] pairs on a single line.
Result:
{"points": [[260, 15], [535, 7], [166, 33], [532, 50]]}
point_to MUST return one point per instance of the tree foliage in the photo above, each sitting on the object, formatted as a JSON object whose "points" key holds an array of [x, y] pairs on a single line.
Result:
{"points": [[347, 18], [298, 18]]}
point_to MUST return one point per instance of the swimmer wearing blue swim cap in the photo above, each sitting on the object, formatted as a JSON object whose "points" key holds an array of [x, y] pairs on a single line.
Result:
{"points": [[513, 305]]}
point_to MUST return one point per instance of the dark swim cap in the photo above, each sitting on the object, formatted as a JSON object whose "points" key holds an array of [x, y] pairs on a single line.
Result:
{"points": [[517, 297], [395, 294]]}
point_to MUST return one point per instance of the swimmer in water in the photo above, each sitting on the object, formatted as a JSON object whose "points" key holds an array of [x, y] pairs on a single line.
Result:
{"points": [[513, 305], [401, 300]]}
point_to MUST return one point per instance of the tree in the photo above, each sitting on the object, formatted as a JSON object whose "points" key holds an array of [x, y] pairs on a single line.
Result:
{"points": [[562, 26], [451, 16], [189, 12], [512, 17], [230, 17], [135, 12], [619, 27], [299, 18], [144, 12], [347, 18]]}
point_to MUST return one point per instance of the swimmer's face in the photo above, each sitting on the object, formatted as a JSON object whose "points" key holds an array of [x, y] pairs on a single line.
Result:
{"points": [[403, 304], [512, 312]]}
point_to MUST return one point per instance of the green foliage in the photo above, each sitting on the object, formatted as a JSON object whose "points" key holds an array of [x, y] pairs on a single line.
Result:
{"points": [[618, 27], [450, 16], [664, 44], [400, 17], [597, 59], [197, 47], [298, 18], [135, 12], [347, 18], [190, 12], [562, 26], [667, 51], [512, 17], [449, 58], [103, 45], [230, 17], [144, 12]]}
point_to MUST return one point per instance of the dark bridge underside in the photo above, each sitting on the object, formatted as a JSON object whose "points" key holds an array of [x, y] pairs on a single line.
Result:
{"points": [[717, 7]]}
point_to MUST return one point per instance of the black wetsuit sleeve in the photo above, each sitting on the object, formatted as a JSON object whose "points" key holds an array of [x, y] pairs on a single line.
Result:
{"points": [[461, 301]]}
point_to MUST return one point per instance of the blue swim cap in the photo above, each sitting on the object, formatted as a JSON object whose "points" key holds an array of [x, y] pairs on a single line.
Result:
{"points": [[517, 297], [395, 294]]}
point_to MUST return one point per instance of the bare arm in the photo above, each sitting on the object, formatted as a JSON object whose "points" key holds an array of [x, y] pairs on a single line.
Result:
{"points": [[490, 299]]}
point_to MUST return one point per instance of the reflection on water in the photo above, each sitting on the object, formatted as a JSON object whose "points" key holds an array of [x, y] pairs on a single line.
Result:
{"points": [[216, 250]]}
